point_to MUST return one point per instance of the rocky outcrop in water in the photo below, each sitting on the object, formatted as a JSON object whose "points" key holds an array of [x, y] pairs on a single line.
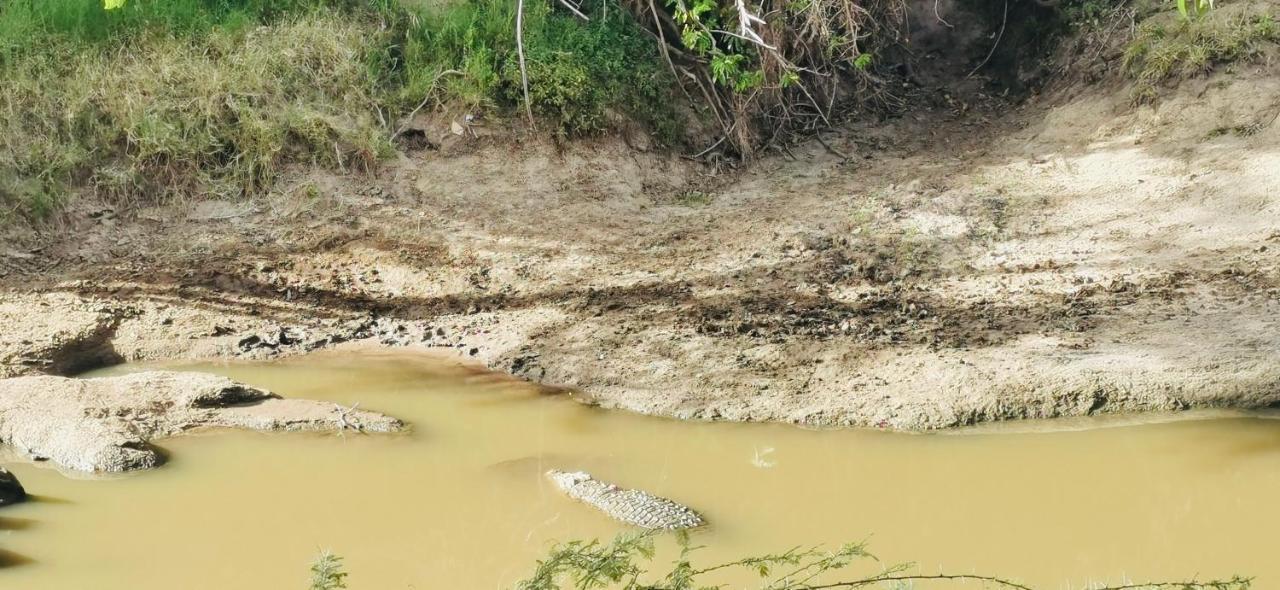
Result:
{"points": [[107, 424], [11, 491], [630, 506]]}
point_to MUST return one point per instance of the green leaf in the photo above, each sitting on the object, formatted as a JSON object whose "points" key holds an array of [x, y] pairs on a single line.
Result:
{"points": [[725, 68], [749, 81]]}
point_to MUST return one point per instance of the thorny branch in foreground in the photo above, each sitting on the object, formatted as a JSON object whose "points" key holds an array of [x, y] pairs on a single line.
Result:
{"points": [[588, 565]]}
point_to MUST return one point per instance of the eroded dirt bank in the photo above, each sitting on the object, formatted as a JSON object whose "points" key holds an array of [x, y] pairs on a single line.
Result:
{"points": [[1068, 256]]}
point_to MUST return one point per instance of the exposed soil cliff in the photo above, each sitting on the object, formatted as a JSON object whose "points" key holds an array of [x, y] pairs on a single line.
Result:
{"points": [[973, 260]]}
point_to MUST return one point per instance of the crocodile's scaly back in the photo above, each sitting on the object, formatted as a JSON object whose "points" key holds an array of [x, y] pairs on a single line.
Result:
{"points": [[630, 506]]}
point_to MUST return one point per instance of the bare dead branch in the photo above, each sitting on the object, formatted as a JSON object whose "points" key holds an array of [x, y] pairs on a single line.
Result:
{"points": [[1004, 21], [428, 95], [524, 74], [574, 9]]}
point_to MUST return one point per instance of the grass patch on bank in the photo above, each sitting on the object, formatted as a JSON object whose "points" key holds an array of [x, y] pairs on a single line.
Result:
{"points": [[25, 23], [170, 116], [578, 72], [1167, 48], [168, 99]]}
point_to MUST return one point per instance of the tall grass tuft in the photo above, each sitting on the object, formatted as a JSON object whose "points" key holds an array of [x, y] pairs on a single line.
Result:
{"points": [[577, 71], [1165, 49], [162, 99], [27, 23], [170, 116]]}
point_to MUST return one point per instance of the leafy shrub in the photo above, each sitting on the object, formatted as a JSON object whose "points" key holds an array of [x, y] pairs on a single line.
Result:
{"points": [[594, 565], [588, 565], [326, 572]]}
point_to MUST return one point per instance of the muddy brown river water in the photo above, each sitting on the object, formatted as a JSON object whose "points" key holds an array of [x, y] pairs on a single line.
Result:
{"points": [[461, 501]]}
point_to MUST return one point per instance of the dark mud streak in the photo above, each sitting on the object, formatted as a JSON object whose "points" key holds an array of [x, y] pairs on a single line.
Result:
{"points": [[10, 559], [8, 523], [764, 304]]}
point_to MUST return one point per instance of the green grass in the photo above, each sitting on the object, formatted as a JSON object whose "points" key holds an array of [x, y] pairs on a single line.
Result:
{"points": [[577, 72], [172, 116], [169, 99], [694, 198], [1171, 48], [26, 23]]}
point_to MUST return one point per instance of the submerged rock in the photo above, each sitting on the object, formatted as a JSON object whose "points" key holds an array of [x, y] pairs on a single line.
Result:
{"points": [[107, 424], [630, 506], [11, 491]]}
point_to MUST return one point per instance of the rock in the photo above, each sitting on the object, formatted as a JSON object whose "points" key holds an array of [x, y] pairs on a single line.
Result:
{"points": [[634, 507], [107, 424], [57, 334], [280, 337], [11, 491]]}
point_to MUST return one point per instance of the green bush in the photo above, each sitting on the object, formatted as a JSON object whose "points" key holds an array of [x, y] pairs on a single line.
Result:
{"points": [[327, 573]]}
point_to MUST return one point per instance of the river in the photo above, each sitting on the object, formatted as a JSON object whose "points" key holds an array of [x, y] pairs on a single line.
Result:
{"points": [[461, 502]]}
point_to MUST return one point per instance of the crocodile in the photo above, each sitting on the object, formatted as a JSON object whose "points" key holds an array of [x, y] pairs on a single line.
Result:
{"points": [[633, 507]]}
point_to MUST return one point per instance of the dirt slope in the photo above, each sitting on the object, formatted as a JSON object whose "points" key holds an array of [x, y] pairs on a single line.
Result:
{"points": [[971, 262]]}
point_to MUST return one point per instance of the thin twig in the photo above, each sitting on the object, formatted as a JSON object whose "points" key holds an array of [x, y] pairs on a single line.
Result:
{"points": [[704, 152], [1180, 585], [939, 16], [1004, 21], [843, 156], [708, 96], [524, 74], [662, 44], [425, 100], [1213, 584], [574, 9], [908, 578], [790, 154], [343, 424]]}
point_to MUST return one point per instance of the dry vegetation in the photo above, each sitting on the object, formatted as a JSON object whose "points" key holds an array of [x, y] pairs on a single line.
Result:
{"points": [[164, 99], [170, 116], [168, 99]]}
